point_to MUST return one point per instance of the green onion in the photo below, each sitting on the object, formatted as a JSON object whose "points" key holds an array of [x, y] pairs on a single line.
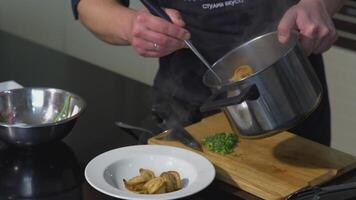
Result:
{"points": [[223, 143], [2, 119], [64, 113]]}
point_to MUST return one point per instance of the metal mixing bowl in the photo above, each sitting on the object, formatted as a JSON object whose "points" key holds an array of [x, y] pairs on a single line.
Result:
{"points": [[31, 116]]}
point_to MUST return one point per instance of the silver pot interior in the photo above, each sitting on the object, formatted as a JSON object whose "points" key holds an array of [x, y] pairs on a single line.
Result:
{"points": [[259, 53]]}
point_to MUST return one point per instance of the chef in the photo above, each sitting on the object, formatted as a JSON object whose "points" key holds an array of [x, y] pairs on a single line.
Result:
{"points": [[215, 27]]}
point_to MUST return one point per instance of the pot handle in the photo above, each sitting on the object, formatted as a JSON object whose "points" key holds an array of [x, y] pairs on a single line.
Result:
{"points": [[212, 103], [155, 9], [141, 135]]}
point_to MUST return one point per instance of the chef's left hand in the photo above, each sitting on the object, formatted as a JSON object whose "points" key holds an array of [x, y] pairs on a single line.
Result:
{"points": [[312, 20]]}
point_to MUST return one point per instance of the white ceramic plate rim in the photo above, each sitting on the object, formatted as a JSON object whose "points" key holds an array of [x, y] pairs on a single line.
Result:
{"points": [[94, 171], [9, 85]]}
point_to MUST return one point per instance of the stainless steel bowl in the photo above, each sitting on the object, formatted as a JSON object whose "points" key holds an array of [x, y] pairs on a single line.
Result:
{"points": [[31, 116]]}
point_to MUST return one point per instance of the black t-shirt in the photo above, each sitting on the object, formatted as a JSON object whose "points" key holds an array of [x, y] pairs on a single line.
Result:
{"points": [[75, 6]]}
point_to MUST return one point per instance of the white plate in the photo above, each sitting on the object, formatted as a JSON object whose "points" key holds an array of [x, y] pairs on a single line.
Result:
{"points": [[9, 85], [106, 171]]}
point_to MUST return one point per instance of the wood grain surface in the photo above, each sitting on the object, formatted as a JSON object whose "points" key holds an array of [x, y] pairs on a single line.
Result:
{"points": [[272, 167]]}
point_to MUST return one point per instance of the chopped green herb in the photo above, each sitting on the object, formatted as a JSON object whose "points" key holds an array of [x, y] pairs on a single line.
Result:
{"points": [[223, 143], [2, 119], [64, 112]]}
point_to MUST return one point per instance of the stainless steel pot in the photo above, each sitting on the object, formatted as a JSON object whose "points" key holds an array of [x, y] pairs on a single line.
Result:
{"points": [[282, 90]]}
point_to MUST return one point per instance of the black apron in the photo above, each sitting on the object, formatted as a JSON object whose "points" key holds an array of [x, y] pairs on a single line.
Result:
{"points": [[217, 27]]}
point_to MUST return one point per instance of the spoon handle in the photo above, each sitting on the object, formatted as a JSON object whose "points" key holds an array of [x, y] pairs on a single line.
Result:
{"points": [[156, 10]]}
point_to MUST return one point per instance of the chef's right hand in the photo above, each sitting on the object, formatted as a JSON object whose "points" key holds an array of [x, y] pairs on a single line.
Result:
{"points": [[152, 36]]}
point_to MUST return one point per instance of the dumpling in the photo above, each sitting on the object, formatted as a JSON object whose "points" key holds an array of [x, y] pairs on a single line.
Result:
{"points": [[155, 186], [136, 183]]}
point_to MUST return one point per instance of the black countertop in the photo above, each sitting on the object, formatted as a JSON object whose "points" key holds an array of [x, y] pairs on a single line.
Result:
{"points": [[56, 171]]}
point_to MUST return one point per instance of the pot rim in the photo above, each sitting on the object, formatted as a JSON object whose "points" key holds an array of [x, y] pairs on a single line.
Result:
{"points": [[294, 34]]}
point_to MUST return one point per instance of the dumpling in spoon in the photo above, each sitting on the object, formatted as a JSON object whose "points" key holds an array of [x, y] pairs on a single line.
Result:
{"points": [[241, 72]]}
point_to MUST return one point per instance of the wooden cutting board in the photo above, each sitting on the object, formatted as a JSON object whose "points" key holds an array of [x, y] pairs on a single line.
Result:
{"points": [[272, 167]]}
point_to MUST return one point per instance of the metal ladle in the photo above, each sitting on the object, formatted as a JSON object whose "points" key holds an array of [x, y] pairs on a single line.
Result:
{"points": [[156, 10]]}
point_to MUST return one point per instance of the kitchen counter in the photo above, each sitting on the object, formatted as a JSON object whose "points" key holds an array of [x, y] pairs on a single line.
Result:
{"points": [[56, 171]]}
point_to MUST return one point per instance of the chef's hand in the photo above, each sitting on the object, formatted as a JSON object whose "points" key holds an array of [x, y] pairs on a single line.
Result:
{"points": [[152, 36], [312, 20]]}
